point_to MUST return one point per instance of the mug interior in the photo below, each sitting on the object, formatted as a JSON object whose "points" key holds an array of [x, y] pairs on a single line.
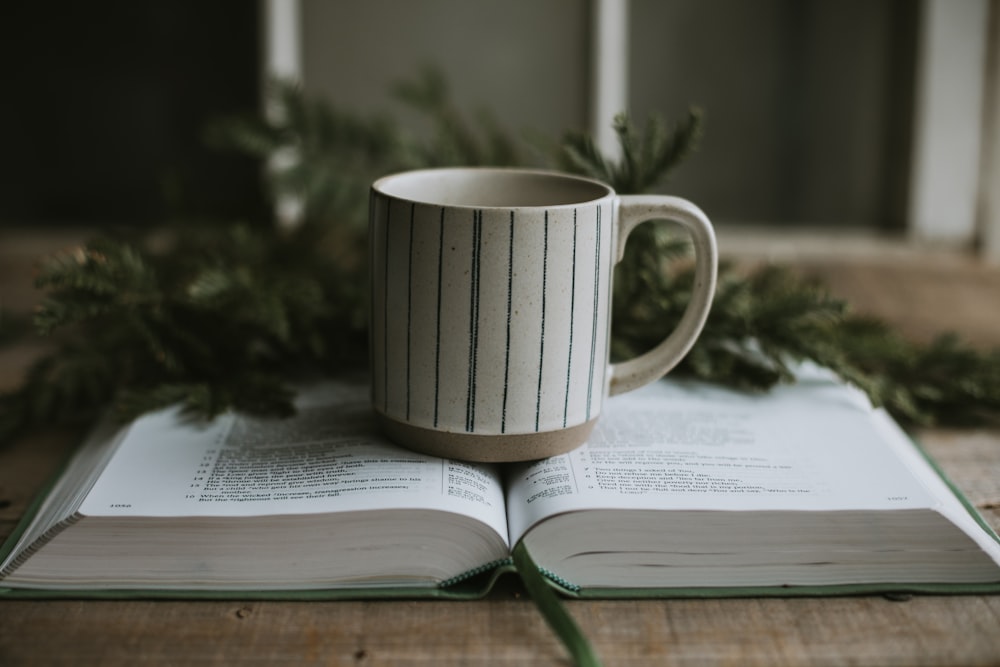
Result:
{"points": [[491, 188]]}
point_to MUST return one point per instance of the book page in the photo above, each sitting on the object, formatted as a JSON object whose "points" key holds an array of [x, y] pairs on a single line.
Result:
{"points": [[692, 446], [329, 457]]}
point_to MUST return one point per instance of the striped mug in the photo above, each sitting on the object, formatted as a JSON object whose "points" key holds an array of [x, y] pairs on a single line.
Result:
{"points": [[490, 307]]}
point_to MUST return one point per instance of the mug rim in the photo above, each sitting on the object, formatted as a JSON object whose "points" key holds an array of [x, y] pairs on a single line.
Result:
{"points": [[606, 191]]}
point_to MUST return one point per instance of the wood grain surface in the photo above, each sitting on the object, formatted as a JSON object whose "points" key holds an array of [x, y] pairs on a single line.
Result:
{"points": [[923, 295]]}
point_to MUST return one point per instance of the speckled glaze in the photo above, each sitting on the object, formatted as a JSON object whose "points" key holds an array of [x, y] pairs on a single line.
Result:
{"points": [[490, 311]]}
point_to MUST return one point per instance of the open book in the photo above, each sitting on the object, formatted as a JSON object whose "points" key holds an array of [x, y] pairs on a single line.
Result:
{"points": [[682, 487]]}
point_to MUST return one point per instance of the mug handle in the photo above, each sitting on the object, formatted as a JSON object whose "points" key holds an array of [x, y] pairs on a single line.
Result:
{"points": [[633, 210]]}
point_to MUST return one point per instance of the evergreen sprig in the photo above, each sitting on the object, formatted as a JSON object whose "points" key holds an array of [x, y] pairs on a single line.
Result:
{"points": [[317, 155], [765, 322], [453, 140], [229, 316], [647, 156], [211, 319]]}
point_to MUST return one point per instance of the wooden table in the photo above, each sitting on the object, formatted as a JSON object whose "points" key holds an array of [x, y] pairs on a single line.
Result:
{"points": [[920, 292]]}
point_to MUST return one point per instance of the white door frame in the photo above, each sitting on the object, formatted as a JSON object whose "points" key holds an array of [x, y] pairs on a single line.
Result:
{"points": [[989, 180], [948, 122]]}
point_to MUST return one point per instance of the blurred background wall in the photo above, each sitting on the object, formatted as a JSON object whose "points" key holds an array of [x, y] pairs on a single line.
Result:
{"points": [[807, 102], [104, 105], [813, 108]]}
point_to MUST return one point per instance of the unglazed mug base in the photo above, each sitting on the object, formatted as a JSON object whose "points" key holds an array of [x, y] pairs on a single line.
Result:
{"points": [[485, 448]]}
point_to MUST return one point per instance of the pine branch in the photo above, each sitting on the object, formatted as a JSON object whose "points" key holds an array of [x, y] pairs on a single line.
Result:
{"points": [[229, 315], [14, 327], [253, 393], [222, 316], [318, 154], [648, 157], [454, 140], [70, 385], [763, 323]]}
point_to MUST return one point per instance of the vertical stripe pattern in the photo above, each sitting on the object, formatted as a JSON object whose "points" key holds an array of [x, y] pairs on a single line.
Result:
{"points": [[541, 334], [470, 405], [572, 326], [595, 314], [510, 306], [437, 338], [489, 320]]}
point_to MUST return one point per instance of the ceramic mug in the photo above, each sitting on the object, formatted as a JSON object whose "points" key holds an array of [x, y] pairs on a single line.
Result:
{"points": [[490, 307]]}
